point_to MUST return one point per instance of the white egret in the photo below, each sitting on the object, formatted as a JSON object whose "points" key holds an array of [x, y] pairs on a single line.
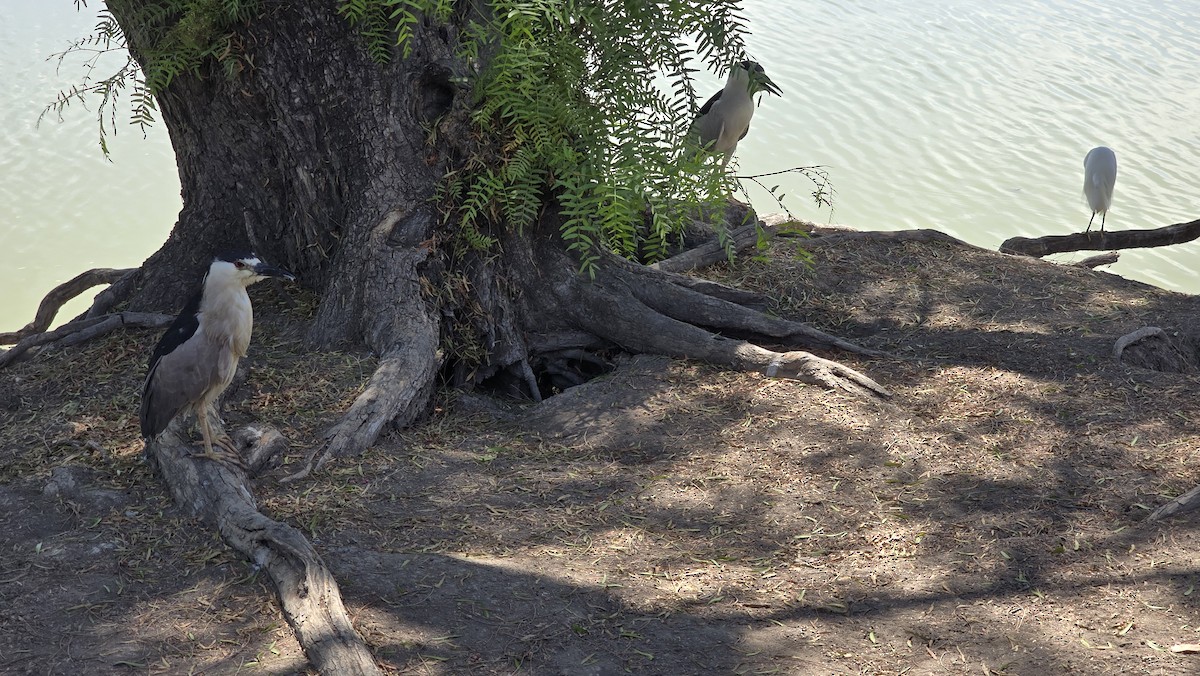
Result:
{"points": [[1099, 177]]}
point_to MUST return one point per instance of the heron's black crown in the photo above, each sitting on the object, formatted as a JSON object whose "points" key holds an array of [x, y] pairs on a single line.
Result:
{"points": [[235, 255], [751, 66]]}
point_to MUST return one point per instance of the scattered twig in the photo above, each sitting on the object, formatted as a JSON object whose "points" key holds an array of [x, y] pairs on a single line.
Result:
{"points": [[823, 194]]}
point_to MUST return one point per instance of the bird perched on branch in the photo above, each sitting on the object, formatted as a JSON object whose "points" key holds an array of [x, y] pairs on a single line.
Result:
{"points": [[198, 355], [725, 118], [1099, 177]]}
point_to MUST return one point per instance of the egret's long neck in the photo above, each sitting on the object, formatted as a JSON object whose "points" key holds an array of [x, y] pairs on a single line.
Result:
{"points": [[226, 313]]}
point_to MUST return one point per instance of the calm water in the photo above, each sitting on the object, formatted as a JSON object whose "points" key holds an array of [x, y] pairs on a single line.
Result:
{"points": [[63, 207], [969, 117]]}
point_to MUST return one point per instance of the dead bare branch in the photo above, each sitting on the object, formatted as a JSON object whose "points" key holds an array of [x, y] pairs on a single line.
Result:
{"points": [[1099, 241], [80, 330], [59, 296]]}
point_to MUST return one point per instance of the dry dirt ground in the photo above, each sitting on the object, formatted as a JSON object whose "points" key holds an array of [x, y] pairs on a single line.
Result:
{"points": [[670, 518]]}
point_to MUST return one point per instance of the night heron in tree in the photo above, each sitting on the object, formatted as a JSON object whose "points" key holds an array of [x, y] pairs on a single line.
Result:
{"points": [[198, 355], [725, 118], [1099, 177]]}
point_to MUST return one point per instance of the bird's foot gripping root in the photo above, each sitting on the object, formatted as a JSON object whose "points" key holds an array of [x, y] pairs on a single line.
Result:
{"points": [[224, 451]]}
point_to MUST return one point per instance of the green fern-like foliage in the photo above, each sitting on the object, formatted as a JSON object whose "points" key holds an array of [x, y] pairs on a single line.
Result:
{"points": [[185, 34], [586, 100], [592, 101]]}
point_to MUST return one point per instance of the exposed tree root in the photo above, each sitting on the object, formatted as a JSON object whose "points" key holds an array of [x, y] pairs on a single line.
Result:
{"points": [[59, 296], [692, 304], [1099, 241], [641, 309], [1133, 337], [116, 293], [1185, 503], [1093, 262], [740, 239], [1152, 348], [82, 330], [308, 594], [402, 382], [569, 317]]}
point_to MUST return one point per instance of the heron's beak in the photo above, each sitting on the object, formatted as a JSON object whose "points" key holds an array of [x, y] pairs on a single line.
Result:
{"points": [[265, 270], [766, 84]]}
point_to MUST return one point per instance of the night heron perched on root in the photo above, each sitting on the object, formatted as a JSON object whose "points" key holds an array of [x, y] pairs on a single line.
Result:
{"points": [[1099, 177], [198, 355], [725, 118]]}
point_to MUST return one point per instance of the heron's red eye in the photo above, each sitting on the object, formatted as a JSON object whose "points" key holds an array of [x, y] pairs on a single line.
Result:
{"points": [[239, 264]]}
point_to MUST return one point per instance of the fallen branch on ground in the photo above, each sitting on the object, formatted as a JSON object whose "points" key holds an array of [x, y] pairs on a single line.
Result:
{"points": [[59, 296], [81, 330]]}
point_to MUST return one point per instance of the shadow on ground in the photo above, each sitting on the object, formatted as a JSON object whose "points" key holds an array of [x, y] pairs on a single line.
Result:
{"points": [[673, 518]]}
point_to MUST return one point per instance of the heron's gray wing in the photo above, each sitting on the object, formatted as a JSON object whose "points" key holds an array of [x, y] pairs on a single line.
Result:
{"points": [[176, 380], [709, 103], [708, 128]]}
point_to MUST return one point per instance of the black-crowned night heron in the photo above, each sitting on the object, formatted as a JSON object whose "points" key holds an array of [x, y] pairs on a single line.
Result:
{"points": [[725, 118], [1099, 178], [198, 355]]}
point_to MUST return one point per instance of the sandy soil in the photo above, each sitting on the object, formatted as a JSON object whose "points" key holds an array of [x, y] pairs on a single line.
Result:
{"points": [[669, 518]]}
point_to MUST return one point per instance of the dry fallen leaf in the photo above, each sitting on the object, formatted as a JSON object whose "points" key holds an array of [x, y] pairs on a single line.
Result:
{"points": [[1188, 648]]}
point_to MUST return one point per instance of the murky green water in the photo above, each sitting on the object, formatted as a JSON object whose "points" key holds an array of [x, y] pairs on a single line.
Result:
{"points": [[970, 117]]}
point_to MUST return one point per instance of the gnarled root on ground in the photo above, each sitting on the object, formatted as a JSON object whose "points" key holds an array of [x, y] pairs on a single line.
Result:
{"points": [[35, 335], [59, 296], [568, 318], [81, 330]]}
